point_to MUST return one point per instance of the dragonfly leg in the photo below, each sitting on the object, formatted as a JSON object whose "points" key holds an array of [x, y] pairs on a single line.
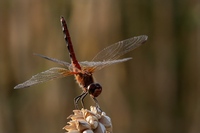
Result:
{"points": [[76, 99], [82, 97], [96, 103]]}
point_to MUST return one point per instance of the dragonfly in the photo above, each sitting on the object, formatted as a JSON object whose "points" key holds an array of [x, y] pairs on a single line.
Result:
{"points": [[83, 71]]}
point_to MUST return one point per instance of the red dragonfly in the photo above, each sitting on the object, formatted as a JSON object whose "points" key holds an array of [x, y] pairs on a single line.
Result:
{"points": [[83, 70]]}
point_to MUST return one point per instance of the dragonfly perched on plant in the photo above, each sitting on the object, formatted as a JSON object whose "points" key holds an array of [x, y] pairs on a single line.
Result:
{"points": [[83, 70]]}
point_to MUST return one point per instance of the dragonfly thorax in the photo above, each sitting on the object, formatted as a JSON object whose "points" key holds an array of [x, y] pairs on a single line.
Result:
{"points": [[94, 89], [84, 80]]}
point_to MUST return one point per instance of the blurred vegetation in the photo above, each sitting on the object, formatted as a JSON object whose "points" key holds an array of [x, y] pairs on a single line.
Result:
{"points": [[156, 92]]}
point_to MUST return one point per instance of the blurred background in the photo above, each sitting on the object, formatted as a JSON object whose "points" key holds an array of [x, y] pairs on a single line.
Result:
{"points": [[158, 91]]}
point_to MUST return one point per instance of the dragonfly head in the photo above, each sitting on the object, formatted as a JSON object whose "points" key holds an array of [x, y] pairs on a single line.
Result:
{"points": [[94, 89]]}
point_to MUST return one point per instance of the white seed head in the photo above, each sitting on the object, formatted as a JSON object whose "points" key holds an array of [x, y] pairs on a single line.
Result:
{"points": [[88, 131], [89, 121]]}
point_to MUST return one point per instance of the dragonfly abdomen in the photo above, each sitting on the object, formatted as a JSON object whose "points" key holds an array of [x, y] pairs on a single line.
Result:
{"points": [[69, 43]]}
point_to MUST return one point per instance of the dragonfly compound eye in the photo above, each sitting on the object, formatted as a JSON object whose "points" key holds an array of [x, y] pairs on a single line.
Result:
{"points": [[94, 89]]}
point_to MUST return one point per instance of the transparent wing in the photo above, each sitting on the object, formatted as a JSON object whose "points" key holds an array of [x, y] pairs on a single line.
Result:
{"points": [[110, 54], [53, 59], [94, 66], [118, 49], [47, 75]]}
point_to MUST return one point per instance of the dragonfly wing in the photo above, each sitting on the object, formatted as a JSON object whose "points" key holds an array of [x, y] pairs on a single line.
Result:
{"points": [[47, 75], [118, 49], [98, 65], [53, 59]]}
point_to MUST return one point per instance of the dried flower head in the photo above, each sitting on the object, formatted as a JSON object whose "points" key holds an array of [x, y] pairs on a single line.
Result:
{"points": [[89, 121]]}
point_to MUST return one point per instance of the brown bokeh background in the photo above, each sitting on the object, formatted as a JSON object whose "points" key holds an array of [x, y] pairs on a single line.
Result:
{"points": [[158, 91]]}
